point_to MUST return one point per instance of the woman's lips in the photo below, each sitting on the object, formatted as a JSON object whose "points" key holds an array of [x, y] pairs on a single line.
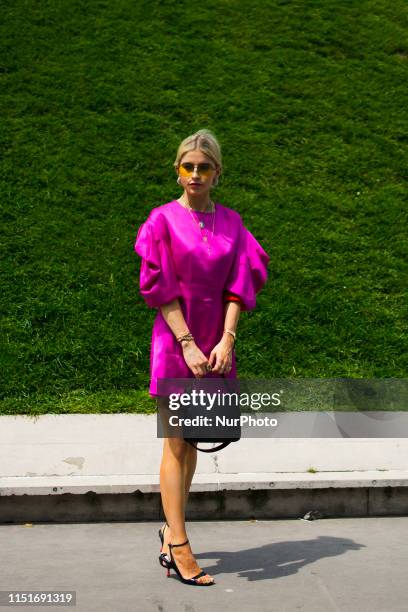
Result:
{"points": [[195, 184]]}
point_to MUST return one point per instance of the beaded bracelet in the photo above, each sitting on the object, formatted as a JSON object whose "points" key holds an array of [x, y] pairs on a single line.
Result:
{"points": [[187, 337]]}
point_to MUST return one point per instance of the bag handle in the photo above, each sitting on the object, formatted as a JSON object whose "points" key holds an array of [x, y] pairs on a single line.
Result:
{"points": [[210, 450]]}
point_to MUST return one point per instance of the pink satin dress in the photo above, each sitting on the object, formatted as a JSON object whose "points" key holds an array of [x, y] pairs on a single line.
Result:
{"points": [[173, 243]]}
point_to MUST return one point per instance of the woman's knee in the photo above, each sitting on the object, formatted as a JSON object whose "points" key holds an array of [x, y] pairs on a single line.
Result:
{"points": [[177, 447]]}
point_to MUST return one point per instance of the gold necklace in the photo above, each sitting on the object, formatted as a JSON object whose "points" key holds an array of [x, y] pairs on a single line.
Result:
{"points": [[201, 224]]}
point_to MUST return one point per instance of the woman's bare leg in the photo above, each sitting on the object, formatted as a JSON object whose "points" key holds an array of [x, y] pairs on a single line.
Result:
{"points": [[172, 485], [176, 473], [189, 453], [189, 468]]}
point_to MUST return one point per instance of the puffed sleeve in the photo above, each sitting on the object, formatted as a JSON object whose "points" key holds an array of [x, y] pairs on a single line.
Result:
{"points": [[249, 270], [158, 278]]}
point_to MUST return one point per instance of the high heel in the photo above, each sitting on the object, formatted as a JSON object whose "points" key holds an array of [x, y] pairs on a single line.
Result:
{"points": [[161, 533], [164, 559], [165, 562], [192, 580]]}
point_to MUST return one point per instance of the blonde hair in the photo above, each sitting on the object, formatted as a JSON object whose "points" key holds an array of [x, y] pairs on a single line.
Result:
{"points": [[203, 140]]}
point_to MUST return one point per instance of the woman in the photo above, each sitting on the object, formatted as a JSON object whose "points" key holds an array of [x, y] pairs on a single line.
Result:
{"points": [[200, 267]]}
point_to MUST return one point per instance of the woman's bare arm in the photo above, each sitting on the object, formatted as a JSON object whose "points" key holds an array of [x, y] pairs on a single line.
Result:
{"points": [[193, 356], [221, 355], [232, 311], [173, 315]]}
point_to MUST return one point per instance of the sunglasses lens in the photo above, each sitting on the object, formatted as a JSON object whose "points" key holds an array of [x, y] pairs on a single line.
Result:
{"points": [[187, 169], [204, 169]]}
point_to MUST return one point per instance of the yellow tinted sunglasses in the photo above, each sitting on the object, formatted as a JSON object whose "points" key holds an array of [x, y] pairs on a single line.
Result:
{"points": [[203, 169]]}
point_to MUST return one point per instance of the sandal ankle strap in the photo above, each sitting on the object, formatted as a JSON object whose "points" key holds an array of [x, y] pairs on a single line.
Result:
{"points": [[182, 544]]}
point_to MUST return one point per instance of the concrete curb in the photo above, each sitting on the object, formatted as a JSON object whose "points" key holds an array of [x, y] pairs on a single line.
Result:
{"points": [[147, 483], [243, 496]]}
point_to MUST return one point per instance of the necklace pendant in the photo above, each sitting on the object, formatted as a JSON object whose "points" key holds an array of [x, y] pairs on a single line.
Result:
{"points": [[201, 224], [205, 238]]}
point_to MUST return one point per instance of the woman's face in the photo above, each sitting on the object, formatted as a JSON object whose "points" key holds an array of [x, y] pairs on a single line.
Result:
{"points": [[197, 180]]}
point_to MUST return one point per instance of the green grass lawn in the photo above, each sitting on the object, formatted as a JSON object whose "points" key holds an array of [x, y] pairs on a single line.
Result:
{"points": [[309, 102]]}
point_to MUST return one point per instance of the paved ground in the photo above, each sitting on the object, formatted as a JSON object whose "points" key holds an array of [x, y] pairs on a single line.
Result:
{"points": [[279, 565]]}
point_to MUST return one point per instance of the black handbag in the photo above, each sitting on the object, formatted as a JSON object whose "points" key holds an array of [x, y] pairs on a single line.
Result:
{"points": [[230, 414]]}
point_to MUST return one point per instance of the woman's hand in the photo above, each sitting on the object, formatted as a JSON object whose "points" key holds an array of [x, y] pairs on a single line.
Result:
{"points": [[222, 355], [195, 359]]}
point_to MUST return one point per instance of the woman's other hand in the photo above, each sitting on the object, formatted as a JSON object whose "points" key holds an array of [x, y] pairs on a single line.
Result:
{"points": [[221, 356], [195, 359]]}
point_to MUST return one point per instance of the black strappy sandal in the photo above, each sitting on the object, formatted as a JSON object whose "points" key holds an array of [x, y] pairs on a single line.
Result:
{"points": [[192, 580]]}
